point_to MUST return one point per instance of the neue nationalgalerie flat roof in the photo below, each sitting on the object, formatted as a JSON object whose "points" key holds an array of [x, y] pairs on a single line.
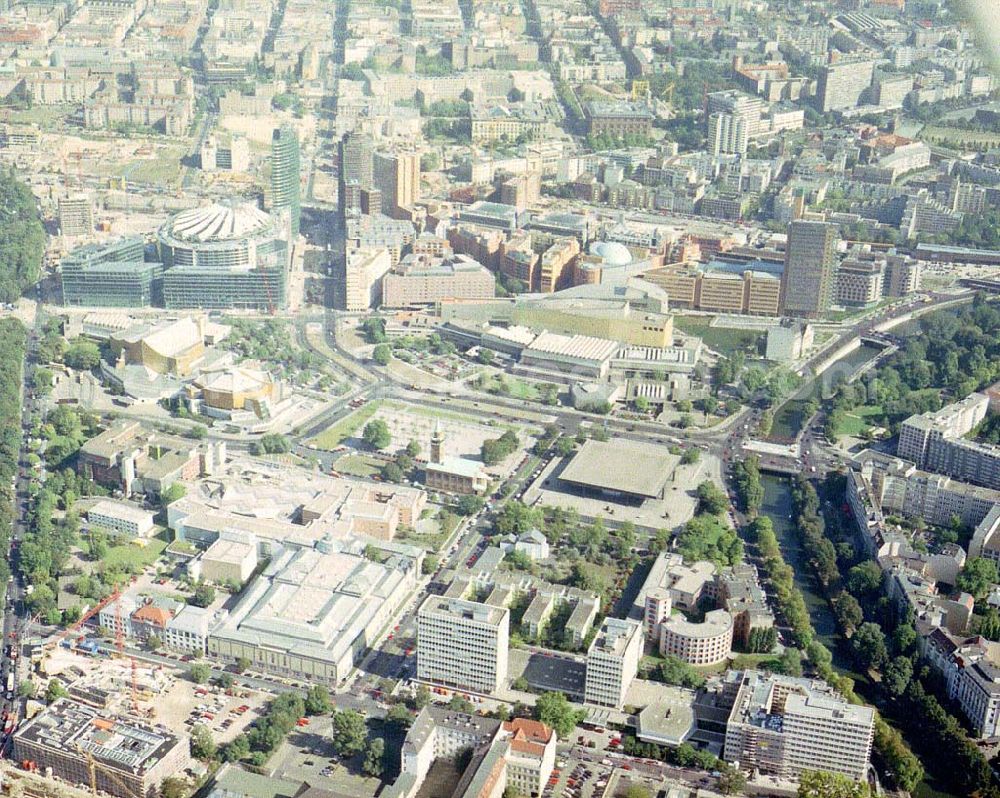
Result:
{"points": [[639, 469]]}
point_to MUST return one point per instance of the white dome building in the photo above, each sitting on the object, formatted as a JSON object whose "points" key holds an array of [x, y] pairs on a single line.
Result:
{"points": [[611, 253], [604, 257]]}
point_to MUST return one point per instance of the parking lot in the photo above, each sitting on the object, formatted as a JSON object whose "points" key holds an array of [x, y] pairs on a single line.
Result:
{"points": [[549, 671], [187, 704], [307, 755]]}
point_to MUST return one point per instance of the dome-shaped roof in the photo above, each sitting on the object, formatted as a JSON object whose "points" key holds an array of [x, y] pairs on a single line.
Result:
{"points": [[221, 221], [612, 253]]}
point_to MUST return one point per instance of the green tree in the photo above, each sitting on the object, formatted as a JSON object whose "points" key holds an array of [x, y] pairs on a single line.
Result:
{"points": [[202, 745], [485, 356], [82, 355], [317, 701], [274, 443], [731, 780], [204, 595], [470, 504], [382, 354], [711, 499], [762, 640], [978, 577], [674, 670], [555, 711], [199, 672], [458, 703], [374, 330], [172, 493], [791, 662], [868, 643], [691, 455], [243, 664], [22, 235], [54, 691], [391, 472], [422, 697], [26, 689], [517, 518], [820, 784], [236, 749], [864, 579], [399, 716], [349, 732], [374, 754], [376, 434], [896, 676], [848, 611], [173, 787], [429, 565]]}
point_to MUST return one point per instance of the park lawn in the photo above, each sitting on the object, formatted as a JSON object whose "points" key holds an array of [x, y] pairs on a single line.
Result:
{"points": [[858, 420], [958, 137], [358, 465], [331, 437], [723, 340], [851, 313], [132, 557], [42, 115], [518, 389], [769, 662]]}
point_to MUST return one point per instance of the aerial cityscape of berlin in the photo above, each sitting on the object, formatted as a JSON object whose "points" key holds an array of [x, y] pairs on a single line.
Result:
{"points": [[500, 398]]}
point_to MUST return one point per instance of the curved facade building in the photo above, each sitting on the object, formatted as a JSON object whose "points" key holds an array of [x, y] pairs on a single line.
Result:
{"points": [[226, 255], [706, 643]]}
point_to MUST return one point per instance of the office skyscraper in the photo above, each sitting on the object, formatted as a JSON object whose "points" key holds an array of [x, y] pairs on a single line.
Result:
{"points": [[727, 133], [286, 175], [397, 176], [356, 174], [808, 281], [76, 216]]}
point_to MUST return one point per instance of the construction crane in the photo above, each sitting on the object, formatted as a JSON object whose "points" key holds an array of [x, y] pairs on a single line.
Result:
{"points": [[120, 653], [93, 767], [75, 627]]}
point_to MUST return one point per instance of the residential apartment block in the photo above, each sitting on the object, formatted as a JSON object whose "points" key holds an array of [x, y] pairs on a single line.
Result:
{"points": [[783, 726], [462, 643], [935, 442], [612, 662]]}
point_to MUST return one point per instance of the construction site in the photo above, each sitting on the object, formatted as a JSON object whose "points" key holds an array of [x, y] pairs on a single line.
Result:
{"points": [[121, 723], [109, 753]]}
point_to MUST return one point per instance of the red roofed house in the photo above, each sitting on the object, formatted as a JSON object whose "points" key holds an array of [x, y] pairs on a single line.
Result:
{"points": [[532, 755]]}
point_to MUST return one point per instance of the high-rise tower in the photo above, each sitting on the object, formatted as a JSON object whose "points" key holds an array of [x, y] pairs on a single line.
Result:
{"points": [[808, 281], [286, 175]]}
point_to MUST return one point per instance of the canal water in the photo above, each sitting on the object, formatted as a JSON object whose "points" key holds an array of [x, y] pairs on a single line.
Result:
{"points": [[778, 507], [790, 418]]}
